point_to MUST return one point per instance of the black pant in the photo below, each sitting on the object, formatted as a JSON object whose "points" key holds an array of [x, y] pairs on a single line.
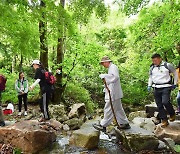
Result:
{"points": [[163, 100], [24, 98], [43, 102]]}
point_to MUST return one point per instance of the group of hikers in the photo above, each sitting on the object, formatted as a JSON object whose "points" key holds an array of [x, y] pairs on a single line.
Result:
{"points": [[43, 78], [160, 80]]}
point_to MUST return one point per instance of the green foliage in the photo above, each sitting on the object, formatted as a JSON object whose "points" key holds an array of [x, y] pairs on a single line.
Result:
{"points": [[89, 31], [131, 7], [177, 148], [82, 10], [76, 93], [157, 31]]}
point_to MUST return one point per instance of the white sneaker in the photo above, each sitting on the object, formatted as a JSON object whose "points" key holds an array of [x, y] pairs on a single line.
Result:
{"points": [[25, 113], [19, 114]]}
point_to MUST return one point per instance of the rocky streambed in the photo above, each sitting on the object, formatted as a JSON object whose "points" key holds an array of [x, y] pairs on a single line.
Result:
{"points": [[72, 132]]}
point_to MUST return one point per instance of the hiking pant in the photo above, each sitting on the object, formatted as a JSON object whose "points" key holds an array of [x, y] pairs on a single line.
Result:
{"points": [[163, 100], [1, 113], [24, 98], [44, 101], [119, 112], [178, 100]]}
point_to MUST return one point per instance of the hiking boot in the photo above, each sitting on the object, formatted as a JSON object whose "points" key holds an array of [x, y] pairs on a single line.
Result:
{"points": [[164, 123], [124, 126], [172, 118], [99, 127], [2, 124]]}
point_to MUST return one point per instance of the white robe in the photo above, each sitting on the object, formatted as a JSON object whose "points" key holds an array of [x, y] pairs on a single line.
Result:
{"points": [[113, 83]]}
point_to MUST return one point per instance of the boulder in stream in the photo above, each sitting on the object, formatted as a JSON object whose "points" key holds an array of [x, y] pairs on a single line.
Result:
{"points": [[137, 139], [86, 137], [133, 115], [172, 131], [77, 110], [74, 123], [29, 136], [58, 112]]}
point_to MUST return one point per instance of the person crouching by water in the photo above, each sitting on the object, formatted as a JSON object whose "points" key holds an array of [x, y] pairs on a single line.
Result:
{"points": [[21, 87], [113, 82]]}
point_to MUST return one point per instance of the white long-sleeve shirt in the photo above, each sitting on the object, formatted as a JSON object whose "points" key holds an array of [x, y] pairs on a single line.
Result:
{"points": [[113, 82], [159, 76]]}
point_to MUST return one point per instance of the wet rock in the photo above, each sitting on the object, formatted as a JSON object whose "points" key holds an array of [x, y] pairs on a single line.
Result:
{"points": [[133, 115], [86, 137], [55, 124], [6, 149], [58, 112], [77, 110], [74, 123], [172, 131], [66, 127], [151, 109], [29, 136], [146, 123], [137, 139]]}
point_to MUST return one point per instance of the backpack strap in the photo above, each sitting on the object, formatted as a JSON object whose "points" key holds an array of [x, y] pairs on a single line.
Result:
{"points": [[151, 69]]}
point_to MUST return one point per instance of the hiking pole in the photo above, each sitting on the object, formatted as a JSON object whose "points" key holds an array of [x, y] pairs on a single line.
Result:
{"points": [[111, 102]]}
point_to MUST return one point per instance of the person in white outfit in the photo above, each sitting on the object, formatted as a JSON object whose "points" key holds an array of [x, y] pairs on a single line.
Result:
{"points": [[113, 82]]}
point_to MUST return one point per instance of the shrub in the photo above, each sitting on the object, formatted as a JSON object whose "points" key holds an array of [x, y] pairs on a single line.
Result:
{"points": [[76, 93]]}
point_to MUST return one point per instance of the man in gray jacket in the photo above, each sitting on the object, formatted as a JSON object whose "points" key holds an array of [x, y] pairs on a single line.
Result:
{"points": [[160, 80], [113, 82]]}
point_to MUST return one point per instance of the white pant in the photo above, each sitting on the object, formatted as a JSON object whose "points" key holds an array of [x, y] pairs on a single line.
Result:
{"points": [[108, 114]]}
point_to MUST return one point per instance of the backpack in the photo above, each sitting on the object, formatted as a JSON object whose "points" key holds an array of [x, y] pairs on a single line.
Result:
{"points": [[166, 66], [50, 79], [2, 82]]}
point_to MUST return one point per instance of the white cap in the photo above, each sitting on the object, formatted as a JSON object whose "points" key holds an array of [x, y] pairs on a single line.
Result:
{"points": [[36, 62]]}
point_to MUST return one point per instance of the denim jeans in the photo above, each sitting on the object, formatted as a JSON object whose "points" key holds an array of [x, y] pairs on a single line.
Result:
{"points": [[163, 100]]}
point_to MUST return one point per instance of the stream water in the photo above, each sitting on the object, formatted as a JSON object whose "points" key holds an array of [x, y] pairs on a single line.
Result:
{"points": [[61, 146]]}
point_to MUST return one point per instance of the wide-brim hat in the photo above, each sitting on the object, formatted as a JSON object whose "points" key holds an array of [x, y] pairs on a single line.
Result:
{"points": [[37, 62], [105, 59]]}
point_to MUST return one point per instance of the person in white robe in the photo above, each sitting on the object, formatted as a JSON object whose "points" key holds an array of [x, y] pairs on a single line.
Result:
{"points": [[113, 82]]}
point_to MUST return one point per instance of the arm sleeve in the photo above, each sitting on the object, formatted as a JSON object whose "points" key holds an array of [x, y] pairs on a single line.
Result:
{"points": [[113, 77], [150, 81], [35, 83], [16, 86], [173, 70], [26, 90]]}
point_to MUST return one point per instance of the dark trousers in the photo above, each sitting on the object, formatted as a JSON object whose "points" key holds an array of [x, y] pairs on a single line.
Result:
{"points": [[44, 101], [163, 100], [24, 98]]}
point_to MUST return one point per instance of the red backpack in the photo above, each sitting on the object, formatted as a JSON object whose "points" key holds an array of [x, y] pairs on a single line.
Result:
{"points": [[2, 82], [50, 79]]}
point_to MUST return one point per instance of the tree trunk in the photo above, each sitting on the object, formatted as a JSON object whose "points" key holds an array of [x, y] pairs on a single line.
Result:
{"points": [[21, 63], [60, 55], [13, 64], [43, 39]]}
